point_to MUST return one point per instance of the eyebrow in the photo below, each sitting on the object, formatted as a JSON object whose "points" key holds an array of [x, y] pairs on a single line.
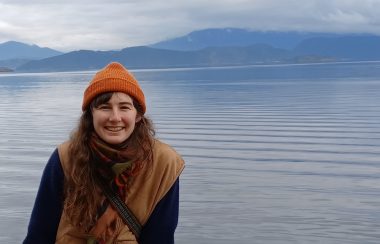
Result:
{"points": [[121, 103], [126, 103]]}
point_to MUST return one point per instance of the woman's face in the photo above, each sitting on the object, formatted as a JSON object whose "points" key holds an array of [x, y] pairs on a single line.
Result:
{"points": [[114, 121]]}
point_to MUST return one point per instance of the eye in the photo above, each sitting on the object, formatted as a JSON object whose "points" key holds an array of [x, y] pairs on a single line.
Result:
{"points": [[125, 107], [103, 107]]}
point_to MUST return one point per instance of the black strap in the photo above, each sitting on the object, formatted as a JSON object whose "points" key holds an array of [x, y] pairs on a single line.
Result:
{"points": [[125, 213]]}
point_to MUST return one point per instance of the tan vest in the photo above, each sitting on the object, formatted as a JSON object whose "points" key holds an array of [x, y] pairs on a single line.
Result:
{"points": [[148, 188]]}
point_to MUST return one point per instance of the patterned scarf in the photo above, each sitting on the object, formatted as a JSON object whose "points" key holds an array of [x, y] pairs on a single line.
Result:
{"points": [[111, 163], [113, 166]]}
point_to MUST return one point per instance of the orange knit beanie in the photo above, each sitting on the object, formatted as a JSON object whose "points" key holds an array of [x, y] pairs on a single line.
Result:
{"points": [[113, 78]]}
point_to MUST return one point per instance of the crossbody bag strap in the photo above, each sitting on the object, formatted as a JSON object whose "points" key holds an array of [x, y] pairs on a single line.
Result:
{"points": [[125, 213]]}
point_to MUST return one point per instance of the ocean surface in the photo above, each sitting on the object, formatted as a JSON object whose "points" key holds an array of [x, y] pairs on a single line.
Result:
{"points": [[274, 154]]}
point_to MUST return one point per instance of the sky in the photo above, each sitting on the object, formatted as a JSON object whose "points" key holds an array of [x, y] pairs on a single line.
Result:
{"points": [[69, 25]]}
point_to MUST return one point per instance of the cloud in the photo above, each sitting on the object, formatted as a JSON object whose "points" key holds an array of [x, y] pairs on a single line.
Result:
{"points": [[104, 25]]}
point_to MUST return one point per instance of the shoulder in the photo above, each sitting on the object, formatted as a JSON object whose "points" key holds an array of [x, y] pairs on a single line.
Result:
{"points": [[163, 149], [63, 148], [164, 156], [63, 152], [154, 182]]}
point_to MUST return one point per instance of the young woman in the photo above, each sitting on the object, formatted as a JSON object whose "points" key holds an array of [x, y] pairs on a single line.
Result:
{"points": [[112, 148]]}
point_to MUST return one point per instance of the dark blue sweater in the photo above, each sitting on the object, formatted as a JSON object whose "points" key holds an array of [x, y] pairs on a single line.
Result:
{"points": [[48, 205]]}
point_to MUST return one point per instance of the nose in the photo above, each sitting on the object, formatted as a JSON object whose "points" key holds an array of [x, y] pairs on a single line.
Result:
{"points": [[115, 115]]}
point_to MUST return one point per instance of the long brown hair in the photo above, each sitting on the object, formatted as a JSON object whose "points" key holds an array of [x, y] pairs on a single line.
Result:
{"points": [[82, 197]]}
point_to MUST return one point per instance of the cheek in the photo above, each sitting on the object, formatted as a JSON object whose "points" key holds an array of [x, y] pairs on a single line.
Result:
{"points": [[96, 125], [98, 120], [130, 121]]}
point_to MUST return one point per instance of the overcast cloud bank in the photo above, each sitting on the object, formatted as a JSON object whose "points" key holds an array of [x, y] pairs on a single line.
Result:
{"points": [[110, 25]]}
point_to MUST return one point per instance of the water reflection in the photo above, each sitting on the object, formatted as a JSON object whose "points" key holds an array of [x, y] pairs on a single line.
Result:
{"points": [[281, 154]]}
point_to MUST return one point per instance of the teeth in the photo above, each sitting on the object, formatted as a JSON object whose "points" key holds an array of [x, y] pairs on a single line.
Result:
{"points": [[114, 128]]}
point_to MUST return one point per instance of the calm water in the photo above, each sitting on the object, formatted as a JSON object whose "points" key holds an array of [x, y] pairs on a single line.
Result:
{"points": [[275, 154]]}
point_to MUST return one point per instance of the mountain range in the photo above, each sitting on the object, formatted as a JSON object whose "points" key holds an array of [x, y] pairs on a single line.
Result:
{"points": [[14, 54], [210, 47], [237, 37]]}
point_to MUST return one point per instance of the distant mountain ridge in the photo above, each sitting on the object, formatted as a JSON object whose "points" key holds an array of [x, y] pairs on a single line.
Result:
{"points": [[18, 50], [354, 47], [147, 57], [227, 51], [223, 37], [14, 54]]}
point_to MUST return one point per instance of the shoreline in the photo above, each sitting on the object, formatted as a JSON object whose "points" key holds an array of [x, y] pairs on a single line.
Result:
{"points": [[8, 71]]}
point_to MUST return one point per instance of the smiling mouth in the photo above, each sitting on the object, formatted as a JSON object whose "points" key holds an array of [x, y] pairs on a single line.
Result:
{"points": [[114, 128]]}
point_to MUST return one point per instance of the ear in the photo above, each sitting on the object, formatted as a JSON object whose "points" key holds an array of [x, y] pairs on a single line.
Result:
{"points": [[138, 118]]}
